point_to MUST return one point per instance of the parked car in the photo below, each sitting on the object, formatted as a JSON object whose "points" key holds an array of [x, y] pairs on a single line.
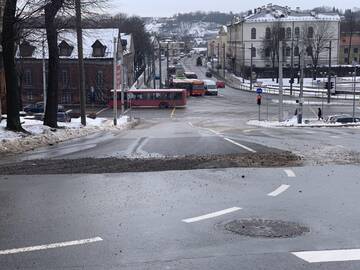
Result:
{"points": [[335, 118], [208, 74], [38, 107], [63, 117], [210, 87], [190, 75], [220, 84]]}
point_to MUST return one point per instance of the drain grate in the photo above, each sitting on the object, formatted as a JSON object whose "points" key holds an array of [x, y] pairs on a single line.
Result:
{"points": [[266, 228]]}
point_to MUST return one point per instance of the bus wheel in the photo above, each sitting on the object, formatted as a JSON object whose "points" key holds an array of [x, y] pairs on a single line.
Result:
{"points": [[163, 106]]}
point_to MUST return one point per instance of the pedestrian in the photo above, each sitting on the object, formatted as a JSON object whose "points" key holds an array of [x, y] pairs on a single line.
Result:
{"points": [[296, 112], [320, 117]]}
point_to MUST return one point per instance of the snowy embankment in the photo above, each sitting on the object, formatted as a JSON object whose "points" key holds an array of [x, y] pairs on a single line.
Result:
{"points": [[40, 135], [292, 122]]}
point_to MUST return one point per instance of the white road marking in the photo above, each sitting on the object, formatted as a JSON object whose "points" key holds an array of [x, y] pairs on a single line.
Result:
{"points": [[341, 146], [211, 215], [173, 112], [290, 173], [51, 246], [240, 145], [279, 190], [190, 124], [335, 137], [247, 130], [341, 255], [102, 110]]}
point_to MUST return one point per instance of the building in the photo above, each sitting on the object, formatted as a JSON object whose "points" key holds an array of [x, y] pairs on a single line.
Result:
{"points": [[175, 47], [246, 36], [98, 60], [346, 50], [217, 48]]}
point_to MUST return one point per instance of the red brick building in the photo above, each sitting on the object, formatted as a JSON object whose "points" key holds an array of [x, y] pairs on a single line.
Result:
{"points": [[98, 59]]}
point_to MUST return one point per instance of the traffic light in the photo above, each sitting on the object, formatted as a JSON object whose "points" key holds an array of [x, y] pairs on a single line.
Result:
{"points": [[258, 100], [332, 85], [326, 85]]}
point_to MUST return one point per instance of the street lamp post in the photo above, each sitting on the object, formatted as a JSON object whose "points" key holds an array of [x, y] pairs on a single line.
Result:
{"points": [[251, 66]]}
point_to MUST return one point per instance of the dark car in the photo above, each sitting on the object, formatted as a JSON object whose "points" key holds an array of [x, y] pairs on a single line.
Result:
{"points": [[38, 107], [208, 74], [199, 61], [63, 117], [347, 120]]}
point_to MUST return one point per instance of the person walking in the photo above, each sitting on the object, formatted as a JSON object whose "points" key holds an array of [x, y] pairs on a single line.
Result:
{"points": [[320, 117]]}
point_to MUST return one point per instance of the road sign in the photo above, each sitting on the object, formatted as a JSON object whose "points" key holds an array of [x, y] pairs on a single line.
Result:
{"points": [[259, 90]]}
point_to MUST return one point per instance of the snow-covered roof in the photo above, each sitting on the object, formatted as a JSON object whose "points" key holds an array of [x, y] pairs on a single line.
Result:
{"points": [[271, 13], [90, 36]]}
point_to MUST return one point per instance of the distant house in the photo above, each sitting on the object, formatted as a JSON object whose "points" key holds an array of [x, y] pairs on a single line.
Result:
{"points": [[346, 50], [98, 53]]}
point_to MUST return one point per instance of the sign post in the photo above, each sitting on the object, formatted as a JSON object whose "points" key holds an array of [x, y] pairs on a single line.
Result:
{"points": [[258, 101]]}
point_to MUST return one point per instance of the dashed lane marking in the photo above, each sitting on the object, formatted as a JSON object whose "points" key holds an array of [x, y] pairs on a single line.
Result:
{"points": [[279, 190], [240, 145], [341, 255], [290, 173], [190, 124], [51, 246], [212, 215]]}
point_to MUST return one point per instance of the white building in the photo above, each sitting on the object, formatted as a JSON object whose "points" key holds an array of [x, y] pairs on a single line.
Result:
{"points": [[251, 30]]}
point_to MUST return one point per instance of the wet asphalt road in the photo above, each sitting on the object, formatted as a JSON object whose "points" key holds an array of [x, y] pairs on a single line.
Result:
{"points": [[139, 216]]}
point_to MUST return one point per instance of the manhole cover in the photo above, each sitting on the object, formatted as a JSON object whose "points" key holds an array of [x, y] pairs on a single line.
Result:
{"points": [[266, 228]]}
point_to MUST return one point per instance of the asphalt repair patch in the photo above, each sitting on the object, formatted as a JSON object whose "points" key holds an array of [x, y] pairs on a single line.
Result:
{"points": [[118, 165]]}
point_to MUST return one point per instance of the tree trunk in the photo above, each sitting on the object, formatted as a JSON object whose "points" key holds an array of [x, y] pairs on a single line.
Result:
{"points": [[51, 111], [9, 35]]}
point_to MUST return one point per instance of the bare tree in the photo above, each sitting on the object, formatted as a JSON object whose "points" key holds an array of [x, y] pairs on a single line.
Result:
{"points": [[350, 23], [316, 40], [270, 44]]}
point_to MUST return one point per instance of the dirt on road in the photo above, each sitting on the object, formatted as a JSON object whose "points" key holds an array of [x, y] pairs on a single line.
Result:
{"points": [[119, 165]]}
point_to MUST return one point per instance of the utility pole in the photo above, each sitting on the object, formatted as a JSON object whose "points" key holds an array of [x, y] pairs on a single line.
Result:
{"points": [[154, 69], [218, 57], [115, 86], [251, 66], [281, 108], [44, 74], [301, 95], [167, 64], [160, 71], [224, 54], [354, 97], [212, 55], [329, 76], [292, 60], [81, 62]]}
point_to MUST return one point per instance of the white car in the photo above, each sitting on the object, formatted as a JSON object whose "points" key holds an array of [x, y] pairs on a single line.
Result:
{"points": [[211, 88]]}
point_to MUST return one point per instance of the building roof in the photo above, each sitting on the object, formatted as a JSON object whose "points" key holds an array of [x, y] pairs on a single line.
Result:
{"points": [[270, 13], [90, 36]]}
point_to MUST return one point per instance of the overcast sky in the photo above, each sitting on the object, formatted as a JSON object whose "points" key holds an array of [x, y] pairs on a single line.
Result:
{"points": [[156, 8]]}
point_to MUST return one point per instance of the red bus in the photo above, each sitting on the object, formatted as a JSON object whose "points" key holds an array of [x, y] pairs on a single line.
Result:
{"points": [[194, 87], [160, 98]]}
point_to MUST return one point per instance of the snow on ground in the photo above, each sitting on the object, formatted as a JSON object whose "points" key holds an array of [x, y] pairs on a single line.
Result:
{"points": [[292, 122], [40, 135]]}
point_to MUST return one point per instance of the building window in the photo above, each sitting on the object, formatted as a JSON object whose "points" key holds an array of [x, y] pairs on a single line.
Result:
{"points": [[65, 78], [356, 50], [65, 49], [267, 52], [346, 50], [28, 77], [30, 96], [288, 33], [100, 79], [253, 52], [296, 51], [346, 60], [268, 33], [98, 49], [310, 33], [309, 51], [355, 59], [253, 33], [297, 31], [282, 33], [66, 98], [287, 51]]}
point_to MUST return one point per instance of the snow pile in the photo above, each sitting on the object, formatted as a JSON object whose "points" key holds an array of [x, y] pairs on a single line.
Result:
{"points": [[40, 135], [292, 122]]}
